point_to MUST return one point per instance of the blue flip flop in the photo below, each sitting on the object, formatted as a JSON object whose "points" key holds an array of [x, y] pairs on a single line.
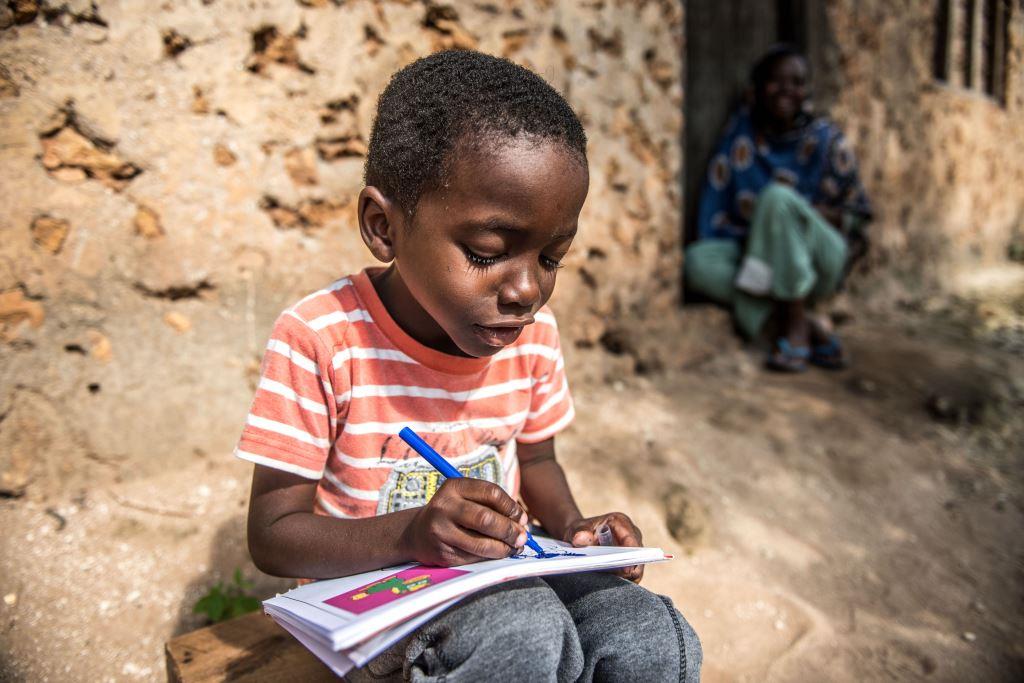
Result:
{"points": [[830, 355], [788, 358]]}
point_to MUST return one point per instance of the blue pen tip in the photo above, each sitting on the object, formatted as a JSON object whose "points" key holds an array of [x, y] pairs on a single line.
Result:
{"points": [[534, 546]]}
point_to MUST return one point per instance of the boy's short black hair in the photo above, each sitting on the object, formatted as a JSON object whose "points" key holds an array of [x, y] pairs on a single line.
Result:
{"points": [[458, 96]]}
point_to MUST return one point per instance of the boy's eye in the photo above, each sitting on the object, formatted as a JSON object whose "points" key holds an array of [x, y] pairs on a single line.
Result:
{"points": [[550, 263], [479, 259]]}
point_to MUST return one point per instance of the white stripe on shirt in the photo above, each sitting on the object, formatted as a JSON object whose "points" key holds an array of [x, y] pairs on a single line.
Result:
{"points": [[544, 318], [328, 319], [552, 401], [286, 430], [331, 510], [550, 430], [548, 352], [287, 392], [489, 391], [363, 353], [371, 462], [333, 287], [360, 494], [434, 427], [278, 346], [276, 464]]}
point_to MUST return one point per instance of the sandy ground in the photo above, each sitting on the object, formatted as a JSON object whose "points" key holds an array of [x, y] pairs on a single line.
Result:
{"points": [[864, 524]]}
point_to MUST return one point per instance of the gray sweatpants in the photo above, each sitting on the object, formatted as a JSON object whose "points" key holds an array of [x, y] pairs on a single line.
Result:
{"points": [[573, 627]]}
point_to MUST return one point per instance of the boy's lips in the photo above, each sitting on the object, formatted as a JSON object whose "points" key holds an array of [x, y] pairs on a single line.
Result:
{"points": [[501, 334]]}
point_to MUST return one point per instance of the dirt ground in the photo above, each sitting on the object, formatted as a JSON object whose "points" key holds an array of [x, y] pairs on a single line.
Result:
{"points": [[863, 524]]}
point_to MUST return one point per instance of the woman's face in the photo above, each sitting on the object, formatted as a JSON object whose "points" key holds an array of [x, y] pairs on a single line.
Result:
{"points": [[784, 93]]}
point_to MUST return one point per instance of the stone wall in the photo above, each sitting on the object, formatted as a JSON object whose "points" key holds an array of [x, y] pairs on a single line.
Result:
{"points": [[174, 174], [944, 165]]}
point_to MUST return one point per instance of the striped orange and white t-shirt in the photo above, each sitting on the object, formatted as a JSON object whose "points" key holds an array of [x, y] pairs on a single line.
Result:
{"points": [[340, 379]]}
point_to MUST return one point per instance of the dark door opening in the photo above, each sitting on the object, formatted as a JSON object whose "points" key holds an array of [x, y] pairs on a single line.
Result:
{"points": [[723, 38]]}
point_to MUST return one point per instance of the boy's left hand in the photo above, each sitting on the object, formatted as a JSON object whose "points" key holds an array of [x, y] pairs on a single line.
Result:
{"points": [[623, 532]]}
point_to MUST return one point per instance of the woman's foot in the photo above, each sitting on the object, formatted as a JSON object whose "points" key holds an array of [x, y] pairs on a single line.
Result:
{"points": [[826, 349], [792, 349], [786, 357]]}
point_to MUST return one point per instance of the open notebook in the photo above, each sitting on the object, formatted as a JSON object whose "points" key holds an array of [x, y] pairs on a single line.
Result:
{"points": [[348, 621]]}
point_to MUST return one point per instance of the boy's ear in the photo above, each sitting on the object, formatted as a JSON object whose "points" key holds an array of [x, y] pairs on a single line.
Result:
{"points": [[379, 217]]}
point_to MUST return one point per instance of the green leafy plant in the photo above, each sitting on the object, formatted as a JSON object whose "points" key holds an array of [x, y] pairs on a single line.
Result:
{"points": [[227, 602]]}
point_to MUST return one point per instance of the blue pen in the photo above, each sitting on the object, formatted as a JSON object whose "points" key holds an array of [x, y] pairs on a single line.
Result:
{"points": [[445, 468]]}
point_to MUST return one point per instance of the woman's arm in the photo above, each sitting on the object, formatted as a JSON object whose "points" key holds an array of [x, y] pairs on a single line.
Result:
{"points": [[466, 521]]}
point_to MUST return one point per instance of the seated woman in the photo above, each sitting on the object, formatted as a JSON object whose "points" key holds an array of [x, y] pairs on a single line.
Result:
{"points": [[781, 216]]}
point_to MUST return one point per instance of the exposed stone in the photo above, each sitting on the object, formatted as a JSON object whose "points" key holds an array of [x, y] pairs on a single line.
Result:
{"points": [[179, 322], [662, 71], [147, 222], [17, 462], [341, 109], [68, 148], [15, 309], [449, 34], [301, 166], [309, 214], [331, 149], [69, 174], [599, 42], [175, 292], [372, 40], [68, 12], [175, 43], [270, 46], [99, 346], [200, 105], [223, 156], [8, 86], [50, 233], [513, 41], [25, 11]]}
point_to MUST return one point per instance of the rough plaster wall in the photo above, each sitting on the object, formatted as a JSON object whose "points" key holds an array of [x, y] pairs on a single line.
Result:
{"points": [[945, 166], [174, 174]]}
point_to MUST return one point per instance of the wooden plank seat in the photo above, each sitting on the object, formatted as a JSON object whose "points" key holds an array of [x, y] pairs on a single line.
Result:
{"points": [[250, 648]]}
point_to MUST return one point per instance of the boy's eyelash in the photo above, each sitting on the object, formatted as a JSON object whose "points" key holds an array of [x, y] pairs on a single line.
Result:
{"points": [[485, 261], [478, 260], [550, 263]]}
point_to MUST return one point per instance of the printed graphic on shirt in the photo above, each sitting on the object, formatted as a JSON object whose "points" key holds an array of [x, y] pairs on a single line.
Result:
{"points": [[412, 483]]}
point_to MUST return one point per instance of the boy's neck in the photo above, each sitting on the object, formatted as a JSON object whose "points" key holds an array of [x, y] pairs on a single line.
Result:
{"points": [[407, 313]]}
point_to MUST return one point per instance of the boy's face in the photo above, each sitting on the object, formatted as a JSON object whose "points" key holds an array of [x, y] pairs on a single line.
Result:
{"points": [[481, 255]]}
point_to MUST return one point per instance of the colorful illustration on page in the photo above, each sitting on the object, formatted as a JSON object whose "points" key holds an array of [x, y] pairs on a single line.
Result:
{"points": [[391, 588]]}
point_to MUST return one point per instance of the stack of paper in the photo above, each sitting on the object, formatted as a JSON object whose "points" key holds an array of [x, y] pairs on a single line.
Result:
{"points": [[347, 622]]}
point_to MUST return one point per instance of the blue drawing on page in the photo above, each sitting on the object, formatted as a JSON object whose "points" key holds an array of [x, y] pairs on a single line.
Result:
{"points": [[548, 554]]}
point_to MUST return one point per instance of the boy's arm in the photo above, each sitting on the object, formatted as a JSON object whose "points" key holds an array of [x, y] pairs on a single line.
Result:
{"points": [[466, 521], [544, 488], [546, 492]]}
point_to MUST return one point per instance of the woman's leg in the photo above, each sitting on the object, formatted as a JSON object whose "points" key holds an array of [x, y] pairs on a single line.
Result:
{"points": [[793, 255], [710, 268], [518, 631], [626, 632]]}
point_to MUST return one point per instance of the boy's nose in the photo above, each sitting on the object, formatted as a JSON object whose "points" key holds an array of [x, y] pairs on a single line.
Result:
{"points": [[520, 288]]}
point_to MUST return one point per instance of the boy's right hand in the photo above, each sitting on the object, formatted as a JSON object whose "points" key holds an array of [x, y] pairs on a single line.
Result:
{"points": [[467, 520]]}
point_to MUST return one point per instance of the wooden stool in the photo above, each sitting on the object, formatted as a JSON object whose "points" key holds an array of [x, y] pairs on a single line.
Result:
{"points": [[250, 648]]}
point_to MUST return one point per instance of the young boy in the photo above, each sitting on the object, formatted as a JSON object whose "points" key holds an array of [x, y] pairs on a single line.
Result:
{"points": [[475, 177]]}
